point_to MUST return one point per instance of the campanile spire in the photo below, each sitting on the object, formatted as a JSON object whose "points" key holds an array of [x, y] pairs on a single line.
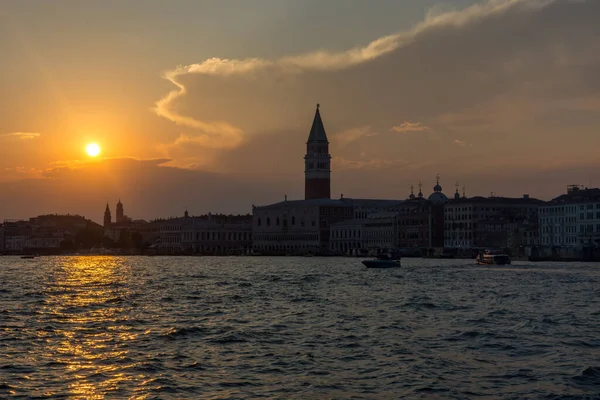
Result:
{"points": [[317, 161]]}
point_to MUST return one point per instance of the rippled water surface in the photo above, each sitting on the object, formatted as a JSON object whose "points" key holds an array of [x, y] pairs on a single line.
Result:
{"points": [[201, 327]]}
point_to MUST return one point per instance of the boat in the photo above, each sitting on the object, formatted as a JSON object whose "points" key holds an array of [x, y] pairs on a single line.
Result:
{"points": [[493, 257], [381, 263], [386, 260], [27, 256]]}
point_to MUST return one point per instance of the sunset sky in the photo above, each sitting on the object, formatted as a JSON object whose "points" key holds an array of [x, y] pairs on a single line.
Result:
{"points": [[207, 104]]}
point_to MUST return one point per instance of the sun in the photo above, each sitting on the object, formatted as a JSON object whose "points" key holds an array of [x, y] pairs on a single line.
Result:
{"points": [[92, 149]]}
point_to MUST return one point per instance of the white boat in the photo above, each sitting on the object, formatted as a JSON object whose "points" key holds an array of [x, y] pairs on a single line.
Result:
{"points": [[493, 257]]}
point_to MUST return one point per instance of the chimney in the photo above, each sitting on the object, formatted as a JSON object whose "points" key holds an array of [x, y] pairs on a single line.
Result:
{"points": [[525, 196]]}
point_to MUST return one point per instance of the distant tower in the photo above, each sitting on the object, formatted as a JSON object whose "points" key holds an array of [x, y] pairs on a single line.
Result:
{"points": [[107, 217], [412, 192], [420, 195], [464, 192], [186, 214], [457, 195], [317, 162], [120, 214]]}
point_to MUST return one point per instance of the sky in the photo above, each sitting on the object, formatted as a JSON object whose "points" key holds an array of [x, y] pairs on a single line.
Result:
{"points": [[207, 105]]}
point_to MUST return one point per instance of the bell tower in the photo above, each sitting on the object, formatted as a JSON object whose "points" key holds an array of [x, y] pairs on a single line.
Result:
{"points": [[107, 217], [317, 162], [120, 213]]}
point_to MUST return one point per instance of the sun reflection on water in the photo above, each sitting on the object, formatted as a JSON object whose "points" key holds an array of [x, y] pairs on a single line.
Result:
{"points": [[84, 299]]}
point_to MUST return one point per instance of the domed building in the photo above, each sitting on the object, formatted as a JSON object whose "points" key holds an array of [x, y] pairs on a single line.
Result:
{"points": [[437, 197]]}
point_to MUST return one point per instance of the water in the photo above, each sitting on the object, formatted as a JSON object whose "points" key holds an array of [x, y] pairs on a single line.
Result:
{"points": [[214, 328]]}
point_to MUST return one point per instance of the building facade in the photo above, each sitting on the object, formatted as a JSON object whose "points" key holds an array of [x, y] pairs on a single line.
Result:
{"points": [[480, 222], [571, 220], [217, 235]]}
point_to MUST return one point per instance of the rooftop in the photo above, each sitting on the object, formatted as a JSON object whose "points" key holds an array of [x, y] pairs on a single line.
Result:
{"points": [[341, 202], [576, 195], [497, 200]]}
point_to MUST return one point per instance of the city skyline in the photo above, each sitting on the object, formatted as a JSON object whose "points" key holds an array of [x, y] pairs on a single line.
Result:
{"points": [[499, 95]]}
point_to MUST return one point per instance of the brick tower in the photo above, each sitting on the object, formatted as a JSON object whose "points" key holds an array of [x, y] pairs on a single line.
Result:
{"points": [[317, 162]]}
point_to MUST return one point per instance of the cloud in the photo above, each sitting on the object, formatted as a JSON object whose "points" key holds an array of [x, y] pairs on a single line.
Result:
{"points": [[354, 134], [406, 127], [370, 163], [462, 143], [20, 135], [503, 70]]}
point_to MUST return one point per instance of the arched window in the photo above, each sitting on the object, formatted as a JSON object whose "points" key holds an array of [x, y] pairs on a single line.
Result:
{"points": [[259, 222], [268, 221], [293, 220], [277, 221]]}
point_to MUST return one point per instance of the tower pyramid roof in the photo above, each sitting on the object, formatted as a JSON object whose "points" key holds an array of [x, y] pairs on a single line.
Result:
{"points": [[317, 131]]}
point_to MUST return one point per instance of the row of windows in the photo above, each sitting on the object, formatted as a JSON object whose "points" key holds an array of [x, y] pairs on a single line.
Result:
{"points": [[452, 210], [335, 234], [459, 235], [285, 223], [568, 240], [571, 209], [277, 237], [319, 165], [284, 247], [189, 236], [571, 229]]}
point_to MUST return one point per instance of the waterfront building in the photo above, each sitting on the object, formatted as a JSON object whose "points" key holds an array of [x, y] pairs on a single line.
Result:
{"points": [[571, 220], [44, 233], [417, 223], [217, 234], [170, 235], [480, 222], [370, 235], [303, 226], [210, 234]]}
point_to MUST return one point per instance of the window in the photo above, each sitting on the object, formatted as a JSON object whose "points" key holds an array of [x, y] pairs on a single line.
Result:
{"points": [[293, 220], [277, 221], [259, 222], [268, 221]]}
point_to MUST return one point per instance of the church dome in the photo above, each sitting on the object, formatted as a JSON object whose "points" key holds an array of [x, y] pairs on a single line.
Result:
{"points": [[438, 198]]}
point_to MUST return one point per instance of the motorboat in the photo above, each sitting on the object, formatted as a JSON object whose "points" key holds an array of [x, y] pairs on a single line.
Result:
{"points": [[27, 256], [388, 260], [382, 263], [493, 257]]}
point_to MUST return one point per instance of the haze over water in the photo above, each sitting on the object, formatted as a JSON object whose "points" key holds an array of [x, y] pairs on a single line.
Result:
{"points": [[201, 327]]}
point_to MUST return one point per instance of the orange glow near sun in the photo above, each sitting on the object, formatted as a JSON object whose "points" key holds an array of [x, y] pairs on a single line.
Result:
{"points": [[92, 149]]}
